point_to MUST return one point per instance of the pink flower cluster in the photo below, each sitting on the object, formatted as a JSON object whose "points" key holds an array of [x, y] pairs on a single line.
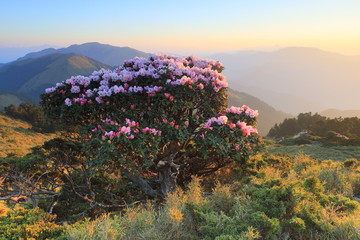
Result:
{"points": [[151, 130], [244, 109], [124, 130], [219, 120], [129, 78], [246, 129], [223, 120]]}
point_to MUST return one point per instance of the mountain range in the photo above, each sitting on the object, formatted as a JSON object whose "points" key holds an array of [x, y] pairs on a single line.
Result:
{"points": [[25, 79], [290, 80], [296, 79], [32, 75], [110, 55]]}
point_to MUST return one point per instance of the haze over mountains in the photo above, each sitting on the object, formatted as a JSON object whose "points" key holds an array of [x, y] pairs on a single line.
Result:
{"points": [[10, 54], [291, 80], [296, 79]]}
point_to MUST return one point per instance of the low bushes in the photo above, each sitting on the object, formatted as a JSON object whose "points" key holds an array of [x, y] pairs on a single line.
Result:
{"points": [[291, 203]]}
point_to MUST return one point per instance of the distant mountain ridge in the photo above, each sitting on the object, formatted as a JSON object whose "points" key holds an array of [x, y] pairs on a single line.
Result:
{"points": [[310, 77], [107, 54], [7, 98], [284, 101], [336, 113], [31, 76], [33, 73]]}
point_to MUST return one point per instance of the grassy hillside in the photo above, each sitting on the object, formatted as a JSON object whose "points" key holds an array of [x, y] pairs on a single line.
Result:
{"points": [[317, 151], [16, 137]]}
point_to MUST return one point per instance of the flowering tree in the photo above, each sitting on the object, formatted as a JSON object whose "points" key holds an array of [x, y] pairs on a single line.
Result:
{"points": [[163, 116]]}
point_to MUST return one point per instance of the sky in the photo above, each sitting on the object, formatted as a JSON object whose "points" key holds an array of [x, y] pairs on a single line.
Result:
{"points": [[183, 27]]}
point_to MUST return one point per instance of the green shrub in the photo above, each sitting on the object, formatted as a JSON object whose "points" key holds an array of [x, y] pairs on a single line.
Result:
{"points": [[339, 202], [268, 227], [296, 224], [21, 223], [313, 214], [101, 228], [312, 184], [336, 181], [275, 201], [351, 163]]}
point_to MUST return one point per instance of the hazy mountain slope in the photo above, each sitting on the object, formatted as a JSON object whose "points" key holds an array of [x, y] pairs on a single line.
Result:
{"points": [[310, 75], [268, 115], [335, 113], [110, 55], [32, 76], [16, 137], [7, 98], [284, 101], [38, 54]]}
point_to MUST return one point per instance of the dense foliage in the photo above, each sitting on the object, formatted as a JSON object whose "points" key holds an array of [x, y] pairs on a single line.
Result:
{"points": [[162, 116], [21, 223], [317, 125], [286, 198], [32, 114]]}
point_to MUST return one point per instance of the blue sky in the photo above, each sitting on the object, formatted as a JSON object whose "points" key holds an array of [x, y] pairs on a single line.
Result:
{"points": [[184, 27]]}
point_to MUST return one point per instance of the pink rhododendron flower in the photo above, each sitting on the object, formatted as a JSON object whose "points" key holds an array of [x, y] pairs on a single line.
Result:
{"points": [[68, 102], [75, 89], [50, 90]]}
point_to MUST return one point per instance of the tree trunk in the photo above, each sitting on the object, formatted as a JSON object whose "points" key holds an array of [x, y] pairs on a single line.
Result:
{"points": [[167, 181], [142, 183], [168, 172]]}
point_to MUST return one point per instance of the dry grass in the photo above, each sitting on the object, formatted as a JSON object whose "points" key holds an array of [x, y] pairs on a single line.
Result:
{"points": [[17, 138]]}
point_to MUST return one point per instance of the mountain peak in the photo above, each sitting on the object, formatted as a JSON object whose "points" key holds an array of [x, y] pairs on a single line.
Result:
{"points": [[105, 53]]}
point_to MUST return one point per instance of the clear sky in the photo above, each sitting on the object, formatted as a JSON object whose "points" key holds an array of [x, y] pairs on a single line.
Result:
{"points": [[184, 27]]}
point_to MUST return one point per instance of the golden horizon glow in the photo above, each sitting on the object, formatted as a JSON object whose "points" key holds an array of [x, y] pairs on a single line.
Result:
{"points": [[186, 27]]}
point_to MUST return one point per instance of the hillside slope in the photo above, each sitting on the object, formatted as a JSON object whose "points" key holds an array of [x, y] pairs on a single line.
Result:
{"points": [[16, 137], [32, 76], [7, 98]]}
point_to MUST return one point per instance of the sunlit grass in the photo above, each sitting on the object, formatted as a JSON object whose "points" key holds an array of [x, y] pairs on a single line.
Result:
{"points": [[337, 153], [17, 138]]}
